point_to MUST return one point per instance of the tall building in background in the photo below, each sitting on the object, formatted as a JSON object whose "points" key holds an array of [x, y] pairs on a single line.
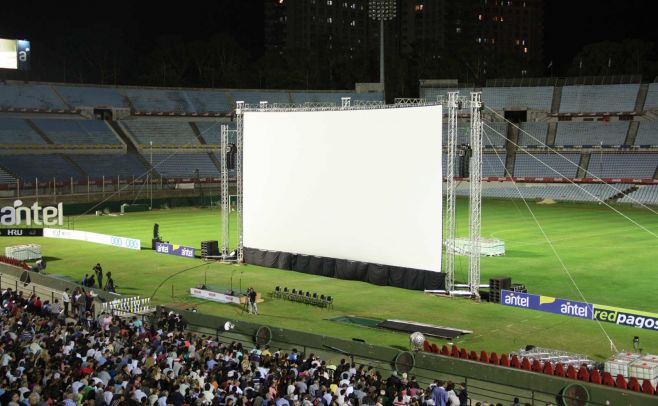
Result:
{"points": [[512, 27], [470, 39]]}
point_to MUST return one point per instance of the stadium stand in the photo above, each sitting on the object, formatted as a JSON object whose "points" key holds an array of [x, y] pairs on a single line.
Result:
{"points": [[646, 194], [647, 134], [163, 100], [495, 134], [184, 165], [651, 102], [32, 96], [77, 132], [211, 131], [526, 165], [561, 192], [79, 96], [161, 132], [257, 96], [6, 177], [43, 166], [625, 165], [518, 98], [591, 133], [17, 131], [537, 134], [109, 165], [492, 165], [599, 98]]}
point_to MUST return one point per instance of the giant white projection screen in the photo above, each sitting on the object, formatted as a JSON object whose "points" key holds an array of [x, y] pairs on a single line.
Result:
{"points": [[362, 185]]}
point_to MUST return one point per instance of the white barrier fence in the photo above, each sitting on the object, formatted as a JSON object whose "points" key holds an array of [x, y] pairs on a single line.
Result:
{"points": [[116, 241]]}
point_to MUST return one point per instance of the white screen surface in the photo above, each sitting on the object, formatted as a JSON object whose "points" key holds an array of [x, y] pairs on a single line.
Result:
{"points": [[361, 185]]}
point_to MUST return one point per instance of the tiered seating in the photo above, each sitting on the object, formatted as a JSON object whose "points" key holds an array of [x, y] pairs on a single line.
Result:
{"points": [[591, 133], [492, 165], [91, 96], [184, 165], [599, 98], [32, 96], [518, 98], [537, 134], [495, 134], [645, 195], [109, 165], [463, 132], [526, 165], [434, 93], [651, 103], [16, 131], [159, 100], [647, 133], [161, 132], [43, 166], [208, 101], [211, 131], [623, 165], [77, 132], [5, 177]]}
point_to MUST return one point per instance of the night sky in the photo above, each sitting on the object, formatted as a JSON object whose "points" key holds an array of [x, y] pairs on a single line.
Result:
{"points": [[569, 24]]}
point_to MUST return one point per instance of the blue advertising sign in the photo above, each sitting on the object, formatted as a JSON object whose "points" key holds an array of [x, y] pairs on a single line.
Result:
{"points": [[547, 304], [172, 249]]}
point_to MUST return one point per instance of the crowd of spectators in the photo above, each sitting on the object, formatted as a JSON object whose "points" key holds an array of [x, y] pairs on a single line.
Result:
{"points": [[47, 358]]}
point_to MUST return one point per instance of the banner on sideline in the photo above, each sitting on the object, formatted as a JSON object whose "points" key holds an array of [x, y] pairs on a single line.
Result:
{"points": [[573, 308], [214, 296], [113, 240], [547, 304], [173, 249]]}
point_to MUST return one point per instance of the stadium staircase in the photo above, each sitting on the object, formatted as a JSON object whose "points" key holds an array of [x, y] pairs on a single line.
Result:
{"points": [[584, 164], [641, 97], [623, 193], [39, 131], [130, 146], [557, 97], [510, 148], [74, 164], [552, 133], [62, 98], [631, 135], [202, 141]]}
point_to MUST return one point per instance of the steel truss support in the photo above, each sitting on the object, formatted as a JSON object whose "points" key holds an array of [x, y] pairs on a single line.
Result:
{"points": [[475, 201], [450, 224], [239, 118], [226, 209]]}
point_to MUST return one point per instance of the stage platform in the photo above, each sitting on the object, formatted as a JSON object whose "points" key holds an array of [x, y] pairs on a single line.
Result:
{"points": [[221, 294], [426, 329], [404, 326]]}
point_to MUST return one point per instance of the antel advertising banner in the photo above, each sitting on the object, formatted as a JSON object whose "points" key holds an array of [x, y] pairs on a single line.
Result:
{"points": [[116, 241], [172, 249], [573, 308]]}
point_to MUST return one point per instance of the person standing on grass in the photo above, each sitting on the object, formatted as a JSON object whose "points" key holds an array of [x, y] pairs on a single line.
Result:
{"points": [[109, 285]]}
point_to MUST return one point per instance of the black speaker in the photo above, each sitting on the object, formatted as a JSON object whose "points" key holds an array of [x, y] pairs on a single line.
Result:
{"points": [[496, 285], [209, 248], [156, 231]]}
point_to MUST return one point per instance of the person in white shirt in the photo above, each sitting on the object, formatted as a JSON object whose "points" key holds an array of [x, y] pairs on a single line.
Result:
{"points": [[66, 299]]}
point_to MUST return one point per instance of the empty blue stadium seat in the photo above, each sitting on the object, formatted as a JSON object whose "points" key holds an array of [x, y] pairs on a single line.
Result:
{"points": [[29, 96], [92, 96], [591, 133], [16, 131], [533, 134], [651, 102], [527, 165], [599, 98], [518, 98], [161, 132], [646, 194], [5, 177], [184, 164], [42, 166], [647, 133], [109, 165], [77, 132], [625, 165]]}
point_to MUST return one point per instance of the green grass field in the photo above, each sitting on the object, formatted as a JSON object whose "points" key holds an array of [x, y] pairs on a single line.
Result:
{"points": [[611, 260]]}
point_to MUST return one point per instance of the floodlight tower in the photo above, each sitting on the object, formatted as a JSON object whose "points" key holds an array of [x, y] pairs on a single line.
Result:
{"points": [[382, 10]]}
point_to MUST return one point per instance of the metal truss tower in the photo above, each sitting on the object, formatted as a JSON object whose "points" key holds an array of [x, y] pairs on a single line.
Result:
{"points": [[475, 201], [449, 238], [239, 113], [224, 148]]}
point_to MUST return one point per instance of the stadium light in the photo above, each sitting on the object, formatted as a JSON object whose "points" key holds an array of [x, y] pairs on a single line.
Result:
{"points": [[382, 10]]}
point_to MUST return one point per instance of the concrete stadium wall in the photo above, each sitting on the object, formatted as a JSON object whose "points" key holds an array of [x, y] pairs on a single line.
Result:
{"points": [[484, 381]]}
